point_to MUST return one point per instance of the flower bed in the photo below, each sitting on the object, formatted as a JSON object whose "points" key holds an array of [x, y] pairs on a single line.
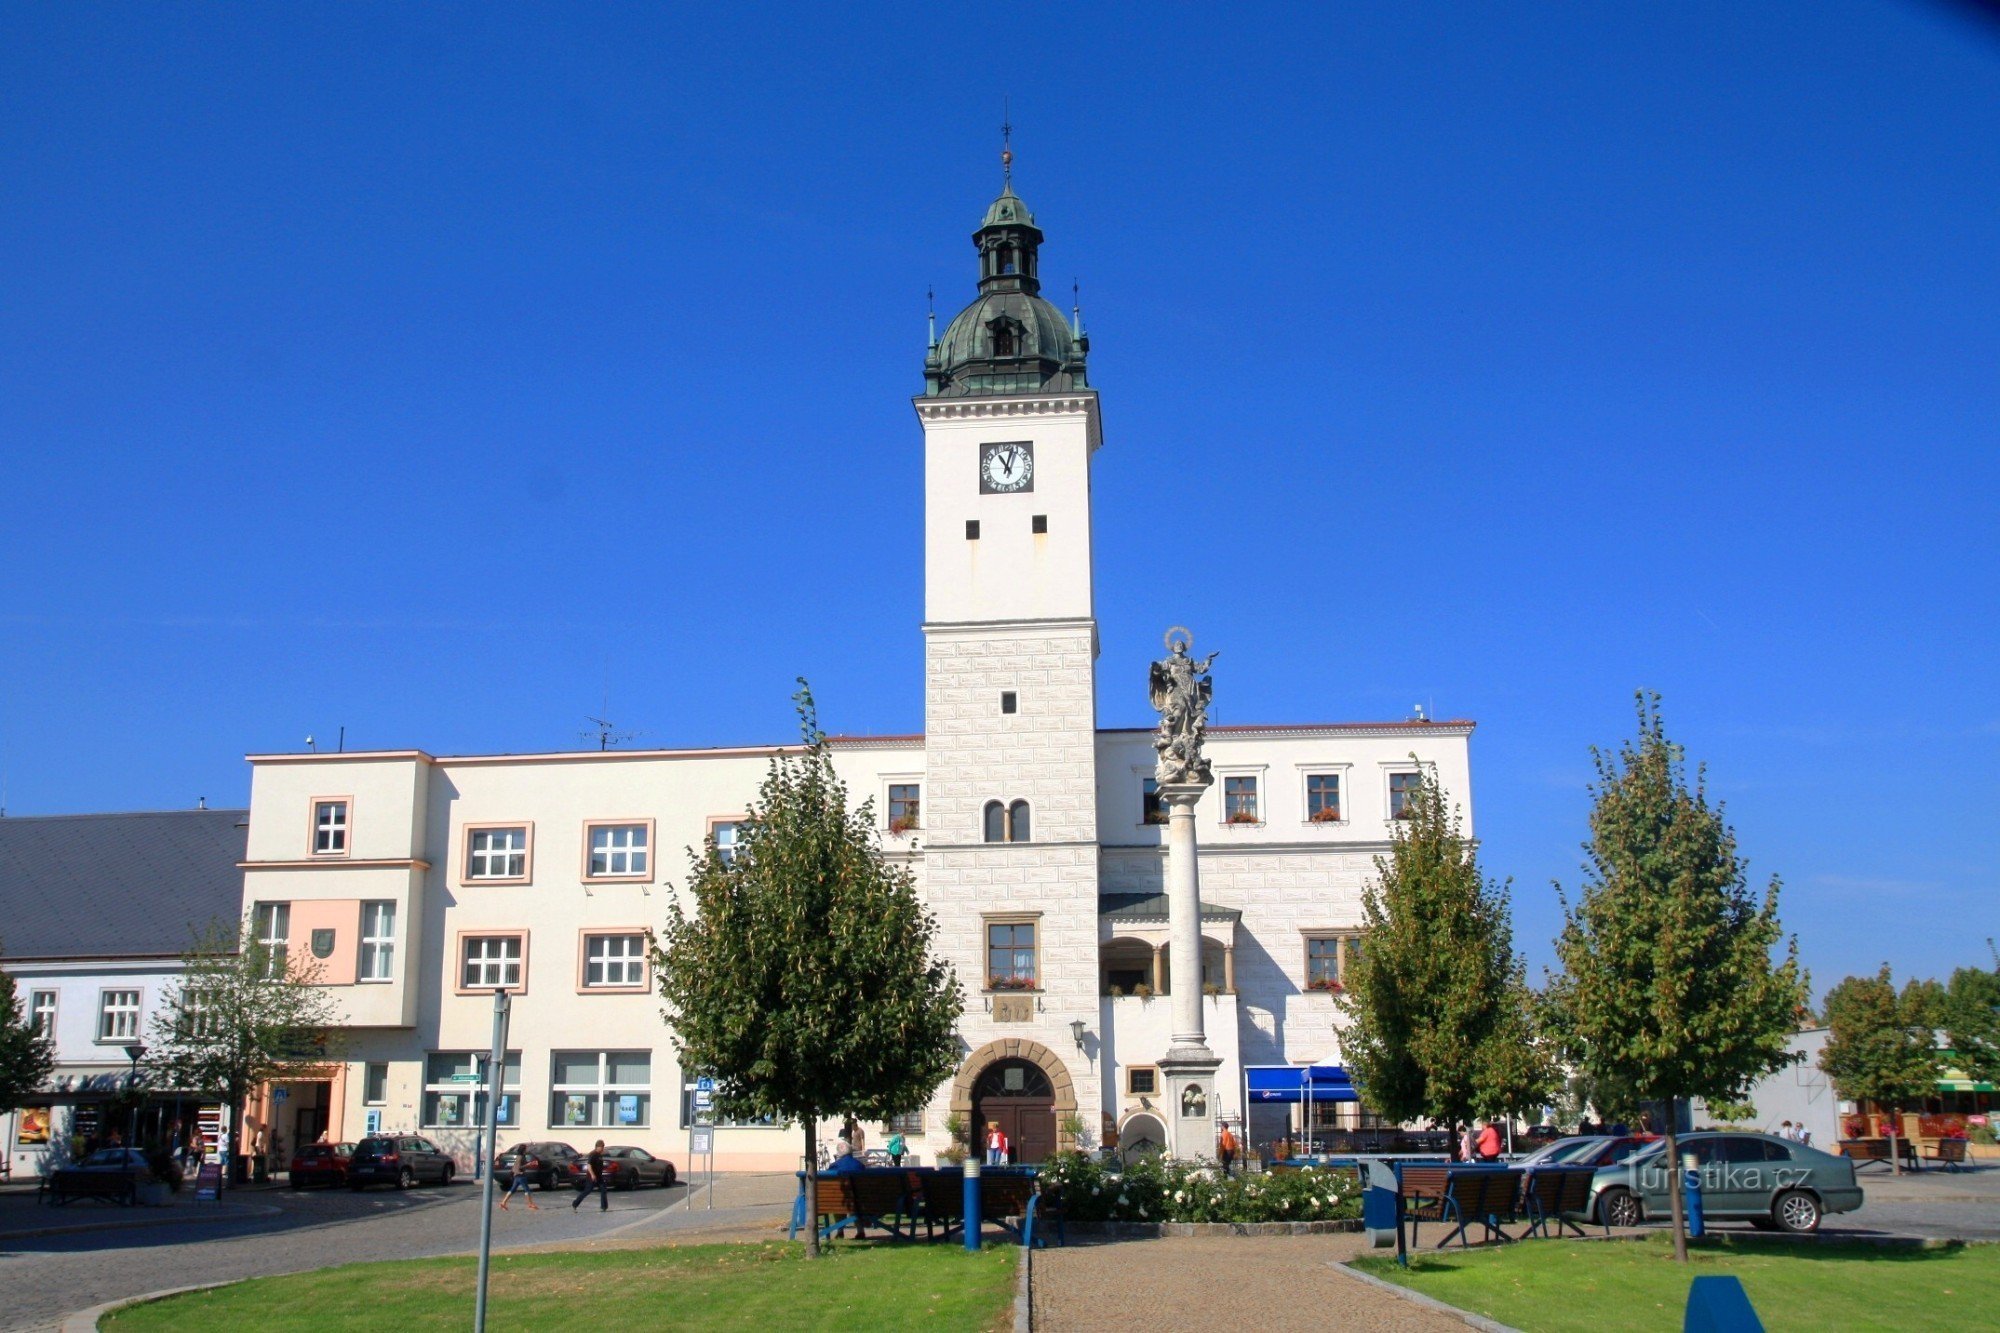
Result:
{"points": [[1155, 1189]]}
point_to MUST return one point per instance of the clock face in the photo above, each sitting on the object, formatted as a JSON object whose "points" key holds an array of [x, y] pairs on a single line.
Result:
{"points": [[1005, 468]]}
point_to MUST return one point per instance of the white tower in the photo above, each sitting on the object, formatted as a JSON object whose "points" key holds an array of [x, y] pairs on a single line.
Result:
{"points": [[1010, 640]]}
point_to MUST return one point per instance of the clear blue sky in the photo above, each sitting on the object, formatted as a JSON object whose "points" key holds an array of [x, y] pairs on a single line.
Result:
{"points": [[424, 370]]}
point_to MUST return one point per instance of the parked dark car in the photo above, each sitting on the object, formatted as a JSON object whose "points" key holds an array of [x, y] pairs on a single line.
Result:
{"points": [[397, 1159], [627, 1168], [113, 1174], [547, 1164], [1769, 1182], [1588, 1150], [321, 1164]]}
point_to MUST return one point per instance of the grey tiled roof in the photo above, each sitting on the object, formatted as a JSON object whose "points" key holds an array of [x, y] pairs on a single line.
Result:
{"points": [[1153, 907], [98, 886]]}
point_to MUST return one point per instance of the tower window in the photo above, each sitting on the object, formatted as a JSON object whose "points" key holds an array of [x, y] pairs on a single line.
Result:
{"points": [[1040, 523], [972, 529], [1004, 342], [1006, 259], [1009, 701], [1006, 823]]}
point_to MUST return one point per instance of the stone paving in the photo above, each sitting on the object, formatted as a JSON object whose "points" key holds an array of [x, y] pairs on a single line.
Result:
{"points": [[47, 1276], [1272, 1284]]}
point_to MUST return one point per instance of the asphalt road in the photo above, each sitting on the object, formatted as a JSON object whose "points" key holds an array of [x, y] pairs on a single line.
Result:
{"points": [[46, 1277]]}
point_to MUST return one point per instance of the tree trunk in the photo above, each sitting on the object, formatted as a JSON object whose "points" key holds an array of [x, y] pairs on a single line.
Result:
{"points": [[1674, 1193], [1894, 1122], [812, 1183]]}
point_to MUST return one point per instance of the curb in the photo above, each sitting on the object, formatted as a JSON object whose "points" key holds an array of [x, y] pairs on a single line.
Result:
{"points": [[1160, 1230], [1024, 1292], [85, 1321], [1478, 1321]]}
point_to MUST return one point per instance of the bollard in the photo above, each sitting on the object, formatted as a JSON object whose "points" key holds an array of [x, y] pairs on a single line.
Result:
{"points": [[1691, 1191], [971, 1204]]}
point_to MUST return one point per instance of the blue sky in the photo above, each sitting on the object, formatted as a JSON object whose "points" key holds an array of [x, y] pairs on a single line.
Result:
{"points": [[432, 370]]}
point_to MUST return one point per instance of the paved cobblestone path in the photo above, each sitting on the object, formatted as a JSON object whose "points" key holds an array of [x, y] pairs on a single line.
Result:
{"points": [[46, 1277]]}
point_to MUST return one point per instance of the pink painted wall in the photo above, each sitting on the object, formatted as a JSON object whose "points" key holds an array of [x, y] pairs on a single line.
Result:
{"points": [[343, 917]]}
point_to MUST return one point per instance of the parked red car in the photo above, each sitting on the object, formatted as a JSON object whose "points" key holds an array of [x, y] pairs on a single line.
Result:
{"points": [[321, 1164]]}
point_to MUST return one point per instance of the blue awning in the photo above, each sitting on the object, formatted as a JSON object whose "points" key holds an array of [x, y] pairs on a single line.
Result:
{"points": [[1300, 1083]]}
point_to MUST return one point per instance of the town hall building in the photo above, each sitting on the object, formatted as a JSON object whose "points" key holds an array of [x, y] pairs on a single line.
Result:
{"points": [[420, 882]]}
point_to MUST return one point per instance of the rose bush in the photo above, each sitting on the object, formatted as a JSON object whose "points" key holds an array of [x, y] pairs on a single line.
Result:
{"points": [[1158, 1189]]}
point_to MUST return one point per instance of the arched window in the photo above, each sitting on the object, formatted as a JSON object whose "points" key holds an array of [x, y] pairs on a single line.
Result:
{"points": [[1004, 343], [1006, 259], [1017, 822], [996, 822], [1006, 823]]}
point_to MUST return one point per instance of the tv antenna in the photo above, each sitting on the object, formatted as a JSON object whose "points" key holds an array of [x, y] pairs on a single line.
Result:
{"points": [[605, 732]]}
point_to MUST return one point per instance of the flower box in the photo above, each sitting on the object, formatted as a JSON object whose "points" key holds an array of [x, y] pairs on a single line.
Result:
{"points": [[1243, 817], [903, 824], [1331, 987], [1326, 815]]}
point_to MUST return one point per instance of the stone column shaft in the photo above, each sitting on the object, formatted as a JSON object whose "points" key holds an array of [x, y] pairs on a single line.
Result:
{"points": [[1184, 916]]}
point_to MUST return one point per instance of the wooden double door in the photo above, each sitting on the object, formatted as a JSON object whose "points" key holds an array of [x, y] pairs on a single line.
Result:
{"points": [[1016, 1096]]}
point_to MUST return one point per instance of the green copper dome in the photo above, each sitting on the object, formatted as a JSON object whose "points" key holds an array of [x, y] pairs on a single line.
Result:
{"points": [[1009, 340]]}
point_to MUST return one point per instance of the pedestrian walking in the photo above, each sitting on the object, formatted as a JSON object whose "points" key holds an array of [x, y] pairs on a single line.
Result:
{"points": [[896, 1148], [1467, 1147], [1225, 1148], [518, 1184], [854, 1136], [992, 1144], [593, 1178]]}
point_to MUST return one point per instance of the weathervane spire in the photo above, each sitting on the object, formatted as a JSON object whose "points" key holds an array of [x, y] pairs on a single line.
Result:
{"points": [[1007, 142], [930, 296]]}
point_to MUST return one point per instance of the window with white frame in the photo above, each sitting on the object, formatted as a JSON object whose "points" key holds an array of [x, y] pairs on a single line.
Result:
{"points": [[725, 833], [194, 1014], [1239, 799], [600, 1089], [1402, 787], [905, 807], [614, 961], [497, 853], [375, 1085], [1151, 809], [378, 941], [330, 827], [491, 961], [619, 851], [1323, 798], [271, 928], [455, 1090], [42, 1013], [118, 1015]]}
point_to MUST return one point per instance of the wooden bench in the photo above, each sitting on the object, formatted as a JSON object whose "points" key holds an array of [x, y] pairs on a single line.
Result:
{"points": [[1458, 1197], [1947, 1153], [1555, 1197], [1875, 1152]]}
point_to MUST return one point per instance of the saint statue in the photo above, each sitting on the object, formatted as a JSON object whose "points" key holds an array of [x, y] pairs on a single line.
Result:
{"points": [[1180, 689]]}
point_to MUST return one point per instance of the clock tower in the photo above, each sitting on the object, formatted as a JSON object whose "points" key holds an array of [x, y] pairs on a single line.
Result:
{"points": [[1010, 639]]}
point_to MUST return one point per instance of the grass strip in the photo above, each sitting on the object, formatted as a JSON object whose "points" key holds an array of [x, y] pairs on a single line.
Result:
{"points": [[1553, 1287], [686, 1287]]}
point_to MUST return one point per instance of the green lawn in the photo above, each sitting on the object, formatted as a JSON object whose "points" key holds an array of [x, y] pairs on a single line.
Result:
{"points": [[698, 1286], [1553, 1286]]}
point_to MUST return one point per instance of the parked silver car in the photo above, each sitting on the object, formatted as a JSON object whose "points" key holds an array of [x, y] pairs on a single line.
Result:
{"points": [[1769, 1182]]}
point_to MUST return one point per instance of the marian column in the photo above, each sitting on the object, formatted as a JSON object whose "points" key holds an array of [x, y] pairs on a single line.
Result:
{"points": [[1181, 690]]}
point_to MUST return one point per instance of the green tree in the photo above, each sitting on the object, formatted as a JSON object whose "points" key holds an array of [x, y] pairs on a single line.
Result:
{"points": [[800, 975], [1881, 1044], [1971, 1010], [27, 1058], [1439, 1018], [1676, 982], [239, 1015]]}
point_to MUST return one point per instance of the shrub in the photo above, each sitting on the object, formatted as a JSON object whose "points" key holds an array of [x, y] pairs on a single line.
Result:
{"points": [[1158, 1189]]}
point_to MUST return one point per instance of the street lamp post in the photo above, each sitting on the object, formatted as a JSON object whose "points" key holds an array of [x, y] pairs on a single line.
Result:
{"points": [[135, 1052], [495, 1078]]}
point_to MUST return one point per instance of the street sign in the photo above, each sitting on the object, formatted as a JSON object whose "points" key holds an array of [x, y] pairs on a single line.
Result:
{"points": [[703, 1142], [280, 1094], [704, 1084], [703, 1100]]}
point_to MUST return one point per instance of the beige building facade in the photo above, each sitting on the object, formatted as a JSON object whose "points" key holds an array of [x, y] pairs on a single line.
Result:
{"points": [[418, 883]]}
